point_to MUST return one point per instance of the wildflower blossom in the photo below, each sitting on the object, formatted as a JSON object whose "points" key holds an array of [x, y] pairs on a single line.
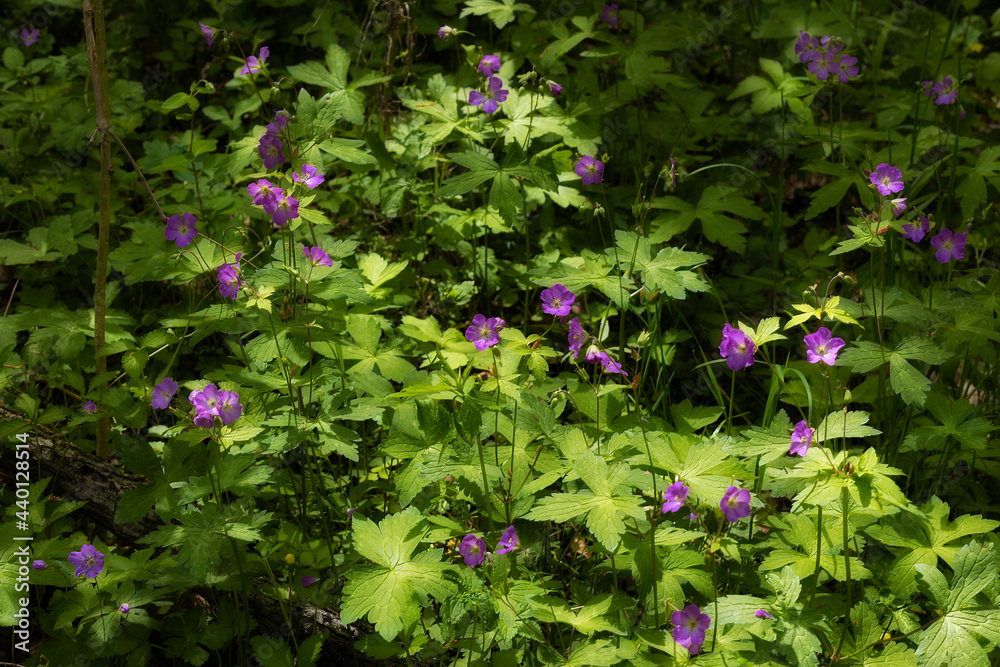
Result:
{"points": [[555, 88], [446, 32], [228, 407], [29, 37], [737, 348], [577, 336], [163, 392], [735, 503], [474, 550], [945, 91], [181, 229], [124, 609], [887, 179], [823, 64], [557, 300], [610, 15], [948, 245], [760, 613], [205, 401], [89, 406], [822, 346], [488, 65], [806, 46], [690, 625], [316, 256], [254, 64], [611, 366], [308, 581], [590, 170], [802, 438], [593, 354], [508, 541], [270, 151], [309, 176], [229, 278], [209, 33], [916, 233], [287, 209], [264, 194], [281, 118], [898, 206], [674, 496], [39, 565], [848, 68], [484, 332], [88, 561], [491, 99]]}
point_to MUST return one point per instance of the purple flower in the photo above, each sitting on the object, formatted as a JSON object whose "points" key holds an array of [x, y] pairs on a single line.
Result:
{"points": [[945, 91], [610, 365], [555, 88], [484, 332], [287, 209], [205, 401], [736, 503], [281, 118], [309, 176], [228, 407], [887, 179], [760, 613], [229, 278], [446, 32], [208, 32], [88, 561], [317, 256], [802, 438], [949, 245], [203, 420], [89, 406], [737, 348], [270, 151], [927, 86], [181, 229], [309, 581], [590, 170], [29, 37], [163, 392], [689, 628], [38, 565], [124, 609], [488, 65], [916, 233], [557, 300], [253, 65], [264, 194], [675, 495], [806, 46], [474, 550], [577, 336], [491, 99], [610, 15], [848, 69], [823, 64], [350, 513], [898, 206], [822, 346], [508, 541]]}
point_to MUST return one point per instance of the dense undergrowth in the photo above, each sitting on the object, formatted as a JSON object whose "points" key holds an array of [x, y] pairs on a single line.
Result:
{"points": [[513, 333]]}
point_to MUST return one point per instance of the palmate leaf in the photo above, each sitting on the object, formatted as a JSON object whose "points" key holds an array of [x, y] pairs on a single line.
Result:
{"points": [[702, 464], [795, 547], [662, 273], [600, 614], [714, 211], [501, 12], [833, 193], [589, 270], [907, 381], [955, 423], [952, 638], [387, 591]]}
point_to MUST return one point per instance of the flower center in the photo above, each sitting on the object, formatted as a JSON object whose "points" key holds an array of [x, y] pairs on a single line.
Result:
{"points": [[821, 349], [90, 561]]}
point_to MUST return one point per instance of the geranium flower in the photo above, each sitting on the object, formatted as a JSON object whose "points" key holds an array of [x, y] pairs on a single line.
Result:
{"points": [[945, 91], [848, 69], [948, 245], [689, 628], [557, 300], [29, 37], [737, 348], [474, 550], [253, 64], [38, 565], [674, 496], [89, 407], [229, 278], [802, 438], [228, 407], [491, 99], [205, 401], [270, 151], [806, 46], [735, 503], [577, 336], [590, 170], [281, 118], [208, 32], [181, 229], [555, 88], [264, 194], [610, 15], [822, 346], [163, 392], [309, 176], [124, 609], [916, 233], [287, 209], [823, 64], [508, 541], [88, 561], [593, 354], [488, 65], [308, 581], [446, 32], [887, 179], [760, 613], [484, 332], [611, 366], [317, 256], [898, 206]]}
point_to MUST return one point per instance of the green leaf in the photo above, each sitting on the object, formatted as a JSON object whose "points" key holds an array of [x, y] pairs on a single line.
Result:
{"points": [[844, 425], [501, 12]]}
